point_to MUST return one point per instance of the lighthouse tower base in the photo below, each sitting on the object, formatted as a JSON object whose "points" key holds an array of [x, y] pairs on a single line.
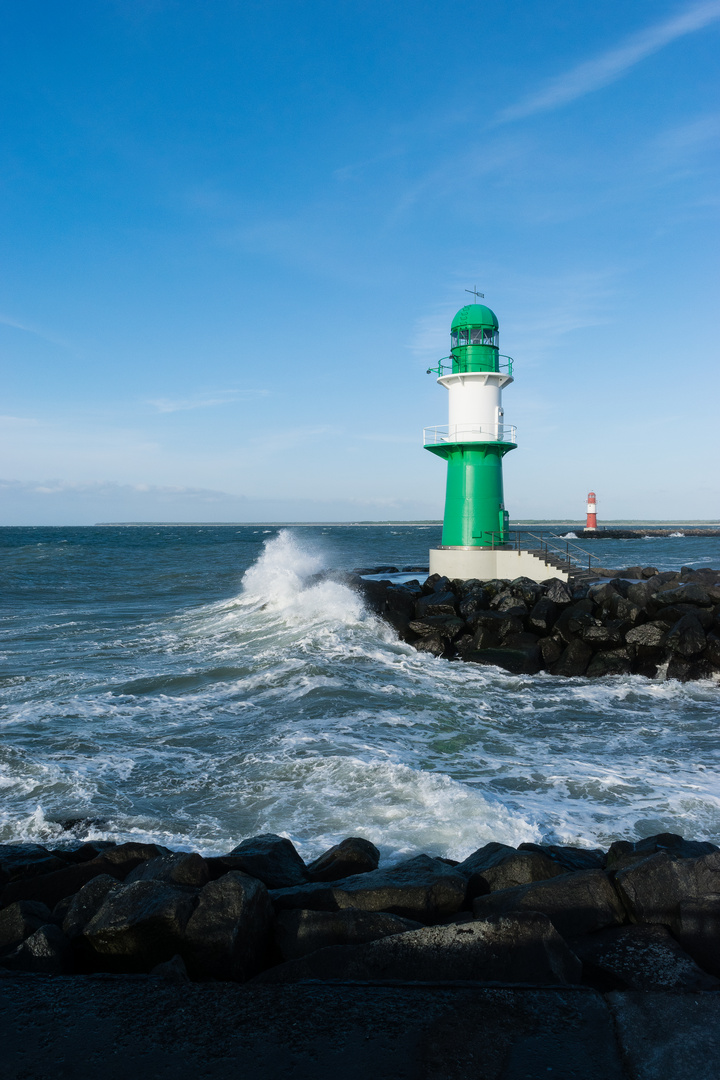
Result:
{"points": [[487, 563]]}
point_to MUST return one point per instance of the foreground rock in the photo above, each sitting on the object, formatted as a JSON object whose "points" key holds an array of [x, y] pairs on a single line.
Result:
{"points": [[639, 958], [514, 949], [576, 903], [644, 915], [663, 621], [139, 925], [299, 932], [228, 934], [271, 859], [421, 888]]}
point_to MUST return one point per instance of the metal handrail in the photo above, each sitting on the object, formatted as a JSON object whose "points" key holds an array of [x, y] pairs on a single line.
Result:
{"points": [[571, 560], [443, 369], [443, 433]]}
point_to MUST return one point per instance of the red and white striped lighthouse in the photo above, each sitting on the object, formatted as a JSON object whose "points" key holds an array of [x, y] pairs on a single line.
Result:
{"points": [[591, 513]]}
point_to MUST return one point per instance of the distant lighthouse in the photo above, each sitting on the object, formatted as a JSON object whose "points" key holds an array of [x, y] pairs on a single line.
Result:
{"points": [[591, 524], [475, 536]]}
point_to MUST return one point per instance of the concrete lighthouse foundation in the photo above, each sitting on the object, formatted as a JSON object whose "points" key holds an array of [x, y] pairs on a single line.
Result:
{"points": [[484, 564], [475, 539]]}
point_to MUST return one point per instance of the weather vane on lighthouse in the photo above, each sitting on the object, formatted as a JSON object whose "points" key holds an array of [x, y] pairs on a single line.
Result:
{"points": [[476, 294]]}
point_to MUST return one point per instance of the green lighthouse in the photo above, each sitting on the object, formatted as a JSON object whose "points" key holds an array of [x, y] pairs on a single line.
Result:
{"points": [[476, 438]]}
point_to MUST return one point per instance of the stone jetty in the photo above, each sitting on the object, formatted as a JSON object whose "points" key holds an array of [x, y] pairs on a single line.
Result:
{"points": [[635, 621], [643, 915]]}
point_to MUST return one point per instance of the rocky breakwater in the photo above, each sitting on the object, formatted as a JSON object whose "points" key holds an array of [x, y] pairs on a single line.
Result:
{"points": [[640, 916], [641, 622]]}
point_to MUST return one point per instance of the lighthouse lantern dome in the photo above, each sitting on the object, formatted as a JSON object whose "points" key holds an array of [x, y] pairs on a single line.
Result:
{"points": [[474, 339]]}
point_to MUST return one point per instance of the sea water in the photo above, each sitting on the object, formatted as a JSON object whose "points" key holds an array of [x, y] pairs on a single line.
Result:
{"points": [[198, 685]]}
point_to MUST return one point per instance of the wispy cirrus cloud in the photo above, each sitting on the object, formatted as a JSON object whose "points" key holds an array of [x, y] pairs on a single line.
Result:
{"points": [[204, 401], [612, 64]]}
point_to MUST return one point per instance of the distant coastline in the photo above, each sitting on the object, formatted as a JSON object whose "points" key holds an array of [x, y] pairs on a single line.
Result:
{"points": [[521, 523]]}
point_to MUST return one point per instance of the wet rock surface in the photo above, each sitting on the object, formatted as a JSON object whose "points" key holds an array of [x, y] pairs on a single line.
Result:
{"points": [[643, 915], [518, 948], [668, 621]]}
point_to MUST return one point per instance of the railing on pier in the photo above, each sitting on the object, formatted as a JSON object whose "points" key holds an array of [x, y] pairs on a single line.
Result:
{"points": [[481, 433], [574, 559]]}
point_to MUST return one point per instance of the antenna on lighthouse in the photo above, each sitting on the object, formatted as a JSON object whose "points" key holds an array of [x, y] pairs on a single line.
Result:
{"points": [[475, 293]]}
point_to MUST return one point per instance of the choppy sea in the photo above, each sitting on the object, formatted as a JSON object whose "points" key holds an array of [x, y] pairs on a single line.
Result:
{"points": [[194, 686]]}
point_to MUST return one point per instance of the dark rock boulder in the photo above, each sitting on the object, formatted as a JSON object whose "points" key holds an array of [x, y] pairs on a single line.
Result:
{"points": [[86, 903], [46, 952], [687, 637], [19, 920], [576, 903], [685, 594], [515, 868], [639, 958], [551, 649], [626, 611], [271, 859], [472, 602], [682, 669], [574, 660], [543, 615], [400, 601], [712, 649], [446, 627], [574, 621], [228, 934], [569, 857], [559, 592], [520, 948], [601, 637], [443, 603], [649, 638], [125, 857], [178, 869], [484, 858], [610, 662], [527, 590], [49, 889], [507, 602], [696, 925], [421, 888], [625, 852], [433, 644], [516, 655], [352, 856], [640, 592], [601, 592], [673, 614], [139, 925], [25, 861], [653, 888], [299, 932]]}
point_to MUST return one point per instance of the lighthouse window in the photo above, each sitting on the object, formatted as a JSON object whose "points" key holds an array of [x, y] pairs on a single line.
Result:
{"points": [[490, 337], [463, 337], [476, 336], [453, 339]]}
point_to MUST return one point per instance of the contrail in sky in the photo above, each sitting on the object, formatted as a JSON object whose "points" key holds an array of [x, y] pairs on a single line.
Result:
{"points": [[611, 65]]}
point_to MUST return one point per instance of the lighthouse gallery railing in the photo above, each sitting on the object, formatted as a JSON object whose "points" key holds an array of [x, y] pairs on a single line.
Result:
{"points": [[505, 366], [455, 433]]}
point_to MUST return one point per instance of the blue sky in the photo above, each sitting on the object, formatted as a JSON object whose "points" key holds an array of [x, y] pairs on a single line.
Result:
{"points": [[234, 235]]}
